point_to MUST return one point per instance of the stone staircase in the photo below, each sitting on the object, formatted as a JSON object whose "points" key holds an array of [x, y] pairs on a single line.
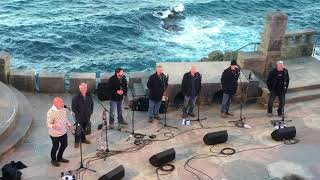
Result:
{"points": [[15, 119]]}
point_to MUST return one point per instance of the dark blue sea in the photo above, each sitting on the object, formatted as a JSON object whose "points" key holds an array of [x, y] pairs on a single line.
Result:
{"points": [[100, 35]]}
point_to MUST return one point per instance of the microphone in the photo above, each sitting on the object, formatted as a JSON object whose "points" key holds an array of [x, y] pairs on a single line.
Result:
{"points": [[66, 107]]}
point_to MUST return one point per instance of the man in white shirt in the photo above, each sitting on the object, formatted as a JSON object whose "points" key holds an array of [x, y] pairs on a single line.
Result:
{"points": [[58, 123]]}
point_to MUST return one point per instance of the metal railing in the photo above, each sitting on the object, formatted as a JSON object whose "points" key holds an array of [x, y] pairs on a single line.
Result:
{"points": [[256, 44]]}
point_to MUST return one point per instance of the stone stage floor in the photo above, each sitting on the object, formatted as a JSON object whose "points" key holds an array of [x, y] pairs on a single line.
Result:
{"points": [[266, 163]]}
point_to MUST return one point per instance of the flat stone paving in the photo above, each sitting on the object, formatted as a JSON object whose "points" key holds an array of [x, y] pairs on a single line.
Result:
{"points": [[269, 163]]}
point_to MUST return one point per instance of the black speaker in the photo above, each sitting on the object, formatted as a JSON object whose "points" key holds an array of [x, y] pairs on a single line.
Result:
{"points": [[114, 174], [284, 133], [103, 92], [215, 137], [163, 157]]}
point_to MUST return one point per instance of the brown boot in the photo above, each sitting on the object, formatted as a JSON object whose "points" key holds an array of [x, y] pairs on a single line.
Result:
{"points": [[76, 145], [223, 115], [86, 142], [229, 114]]}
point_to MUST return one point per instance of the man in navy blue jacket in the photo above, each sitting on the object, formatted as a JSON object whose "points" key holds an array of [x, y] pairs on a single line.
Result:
{"points": [[229, 82], [190, 87], [278, 83], [118, 89], [157, 84]]}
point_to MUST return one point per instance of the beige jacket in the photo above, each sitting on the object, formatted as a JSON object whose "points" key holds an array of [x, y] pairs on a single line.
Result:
{"points": [[59, 118]]}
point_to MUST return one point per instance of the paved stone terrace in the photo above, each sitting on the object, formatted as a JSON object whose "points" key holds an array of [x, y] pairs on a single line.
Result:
{"points": [[302, 158]]}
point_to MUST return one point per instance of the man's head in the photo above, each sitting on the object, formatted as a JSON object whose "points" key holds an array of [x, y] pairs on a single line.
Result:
{"points": [[83, 88], [193, 70], [58, 102], [119, 72], [159, 70], [280, 65], [233, 65]]}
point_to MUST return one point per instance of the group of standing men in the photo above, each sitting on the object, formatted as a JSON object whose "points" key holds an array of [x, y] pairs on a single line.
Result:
{"points": [[82, 103]]}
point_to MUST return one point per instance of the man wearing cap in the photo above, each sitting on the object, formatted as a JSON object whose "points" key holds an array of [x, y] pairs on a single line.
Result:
{"points": [[278, 83], [229, 82]]}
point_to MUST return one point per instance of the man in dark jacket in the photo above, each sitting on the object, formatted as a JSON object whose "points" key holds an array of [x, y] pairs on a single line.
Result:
{"points": [[190, 87], [157, 84], [82, 107], [229, 82], [278, 83], [118, 89]]}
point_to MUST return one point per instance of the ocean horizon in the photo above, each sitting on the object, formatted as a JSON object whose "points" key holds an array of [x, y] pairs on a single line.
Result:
{"points": [[99, 35]]}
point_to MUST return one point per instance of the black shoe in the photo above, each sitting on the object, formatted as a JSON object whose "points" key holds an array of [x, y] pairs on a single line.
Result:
{"points": [[55, 163], [184, 115], [157, 118], [150, 119], [63, 160], [192, 114]]}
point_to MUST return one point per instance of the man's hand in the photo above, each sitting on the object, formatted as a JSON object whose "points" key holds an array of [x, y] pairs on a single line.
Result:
{"points": [[120, 92]]}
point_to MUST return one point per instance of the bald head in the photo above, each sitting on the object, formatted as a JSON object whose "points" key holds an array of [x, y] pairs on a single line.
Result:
{"points": [[193, 70], [83, 88], [58, 102]]}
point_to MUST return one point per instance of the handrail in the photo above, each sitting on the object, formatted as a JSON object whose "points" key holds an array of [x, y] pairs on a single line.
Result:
{"points": [[236, 51]]}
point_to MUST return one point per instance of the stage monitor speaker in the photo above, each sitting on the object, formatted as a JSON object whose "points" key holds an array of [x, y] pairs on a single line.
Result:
{"points": [[114, 174], [163, 157], [215, 137], [284, 133]]}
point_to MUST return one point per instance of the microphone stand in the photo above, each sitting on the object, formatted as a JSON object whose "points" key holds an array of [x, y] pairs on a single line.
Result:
{"points": [[282, 123], [240, 122], [198, 111], [104, 122], [166, 109], [80, 131]]}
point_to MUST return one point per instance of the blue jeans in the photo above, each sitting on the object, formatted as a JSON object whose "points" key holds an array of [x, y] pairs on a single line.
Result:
{"points": [[188, 105], [154, 108], [272, 97], [113, 105], [226, 101]]}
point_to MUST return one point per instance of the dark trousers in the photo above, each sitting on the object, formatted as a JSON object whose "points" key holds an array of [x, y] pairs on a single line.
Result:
{"points": [[80, 132], [58, 143], [272, 97]]}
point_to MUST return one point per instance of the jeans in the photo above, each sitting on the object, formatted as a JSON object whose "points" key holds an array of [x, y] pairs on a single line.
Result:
{"points": [[226, 101], [272, 97], [154, 108], [80, 132], [189, 103], [113, 105], [61, 141]]}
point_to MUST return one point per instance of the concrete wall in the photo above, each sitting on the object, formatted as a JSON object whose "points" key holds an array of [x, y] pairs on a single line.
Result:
{"points": [[23, 80], [77, 78], [298, 43], [4, 66], [51, 82]]}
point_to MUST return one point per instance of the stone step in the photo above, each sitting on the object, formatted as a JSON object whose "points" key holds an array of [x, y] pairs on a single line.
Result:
{"points": [[23, 122], [8, 111], [303, 88], [304, 95]]}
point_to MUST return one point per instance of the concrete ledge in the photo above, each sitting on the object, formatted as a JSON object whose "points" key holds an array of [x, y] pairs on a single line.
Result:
{"points": [[104, 77], [52, 82], [23, 80], [77, 78], [255, 61], [4, 66]]}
